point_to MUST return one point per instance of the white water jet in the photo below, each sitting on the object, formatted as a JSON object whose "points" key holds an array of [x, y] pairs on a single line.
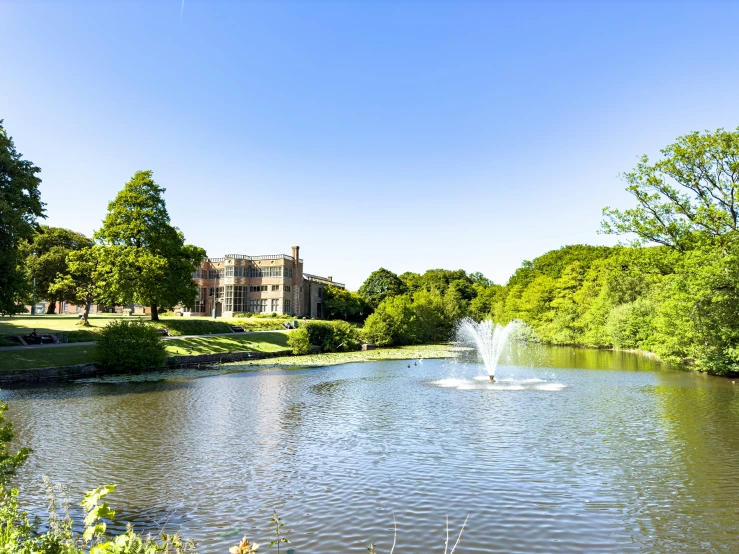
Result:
{"points": [[487, 338]]}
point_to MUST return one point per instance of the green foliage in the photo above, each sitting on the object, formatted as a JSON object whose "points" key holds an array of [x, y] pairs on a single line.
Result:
{"points": [[689, 194], [45, 256], [406, 319], [299, 341], [145, 259], [9, 462], [379, 285], [130, 346], [339, 303], [329, 336], [79, 282], [20, 207], [278, 524]]}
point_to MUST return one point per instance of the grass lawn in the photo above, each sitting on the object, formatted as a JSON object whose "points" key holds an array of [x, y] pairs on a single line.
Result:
{"points": [[239, 342], [68, 324], [70, 355], [46, 357]]}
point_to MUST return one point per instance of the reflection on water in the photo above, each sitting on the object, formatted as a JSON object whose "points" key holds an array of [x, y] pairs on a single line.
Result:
{"points": [[557, 455]]}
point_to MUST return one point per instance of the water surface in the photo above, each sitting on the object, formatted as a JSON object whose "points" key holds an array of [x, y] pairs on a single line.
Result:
{"points": [[570, 451]]}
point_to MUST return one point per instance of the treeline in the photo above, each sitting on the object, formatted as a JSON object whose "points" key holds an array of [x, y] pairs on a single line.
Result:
{"points": [[137, 256], [673, 291]]}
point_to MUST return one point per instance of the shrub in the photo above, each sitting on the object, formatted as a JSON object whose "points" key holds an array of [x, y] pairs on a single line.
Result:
{"points": [[334, 336], [299, 341], [130, 346], [346, 337]]}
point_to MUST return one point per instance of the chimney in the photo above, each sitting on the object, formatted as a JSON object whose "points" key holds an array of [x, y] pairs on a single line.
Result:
{"points": [[296, 253], [330, 278]]}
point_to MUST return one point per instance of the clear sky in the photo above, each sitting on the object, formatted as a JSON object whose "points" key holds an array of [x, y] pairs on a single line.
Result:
{"points": [[404, 134]]}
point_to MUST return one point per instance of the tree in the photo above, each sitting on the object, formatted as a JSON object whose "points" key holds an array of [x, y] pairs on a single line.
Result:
{"points": [[692, 192], [79, 283], [45, 254], [145, 259], [20, 207], [379, 285], [340, 303]]}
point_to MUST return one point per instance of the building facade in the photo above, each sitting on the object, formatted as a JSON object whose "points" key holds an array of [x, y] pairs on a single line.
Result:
{"points": [[274, 283]]}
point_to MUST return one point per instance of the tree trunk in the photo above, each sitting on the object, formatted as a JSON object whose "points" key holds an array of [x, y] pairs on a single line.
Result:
{"points": [[87, 312], [154, 312], [51, 307]]}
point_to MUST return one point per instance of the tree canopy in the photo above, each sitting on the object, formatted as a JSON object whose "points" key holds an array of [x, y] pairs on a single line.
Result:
{"points": [[20, 208], [379, 285], [692, 192], [145, 259], [45, 257]]}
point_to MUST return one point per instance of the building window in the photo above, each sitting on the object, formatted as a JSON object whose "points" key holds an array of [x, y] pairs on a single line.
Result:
{"points": [[289, 272], [275, 305], [287, 307], [258, 288], [234, 299], [199, 304], [238, 271], [320, 292], [258, 306], [265, 271], [275, 287], [287, 288], [230, 271]]}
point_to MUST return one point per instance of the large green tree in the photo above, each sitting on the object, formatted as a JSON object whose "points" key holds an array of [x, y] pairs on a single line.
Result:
{"points": [[20, 207], [80, 282], [381, 284], [691, 193], [144, 258], [45, 257]]}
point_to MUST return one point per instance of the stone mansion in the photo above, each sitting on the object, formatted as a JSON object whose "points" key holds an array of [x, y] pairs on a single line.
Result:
{"points": [[274, 283]]}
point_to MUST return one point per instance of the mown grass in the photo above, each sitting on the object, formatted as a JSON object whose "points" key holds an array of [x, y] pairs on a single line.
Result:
{"points": [[46, 357], [262, 342], [71, 355], [52, 324], [177, 326]]}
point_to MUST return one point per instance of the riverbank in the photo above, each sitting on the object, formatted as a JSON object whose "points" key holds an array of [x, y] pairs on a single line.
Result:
{"points": [[46, 357], [416, 352]]}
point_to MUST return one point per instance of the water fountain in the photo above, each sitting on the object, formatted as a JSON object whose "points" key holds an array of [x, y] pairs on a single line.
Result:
{"points": [[487, 338]]}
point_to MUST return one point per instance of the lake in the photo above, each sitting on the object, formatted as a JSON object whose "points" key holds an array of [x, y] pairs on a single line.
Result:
{"points": [[569, 451]]}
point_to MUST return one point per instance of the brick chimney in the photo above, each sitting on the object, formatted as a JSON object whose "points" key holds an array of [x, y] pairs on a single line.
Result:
{"points": [[296, 253], [330, 278]]}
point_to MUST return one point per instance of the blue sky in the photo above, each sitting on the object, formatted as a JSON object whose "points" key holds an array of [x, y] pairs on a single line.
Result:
{"points": [[404, 134]]}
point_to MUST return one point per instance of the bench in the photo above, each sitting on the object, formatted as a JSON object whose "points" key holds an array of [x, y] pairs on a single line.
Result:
{"points": [[237, 329]]}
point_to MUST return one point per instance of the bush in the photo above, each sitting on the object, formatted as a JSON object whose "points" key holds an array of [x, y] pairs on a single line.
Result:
{"points": [[130, 346], [334, 336], [299, 341]]}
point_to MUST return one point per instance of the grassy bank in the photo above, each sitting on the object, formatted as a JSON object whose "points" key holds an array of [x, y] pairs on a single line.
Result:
{"points": [[177, 326], [260, 342], [71, 355], [425, 351]]}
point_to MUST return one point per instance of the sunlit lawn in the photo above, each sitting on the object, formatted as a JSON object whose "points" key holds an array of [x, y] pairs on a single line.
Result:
{"points": [[261, 342], [68, 324], [70, 355]]}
